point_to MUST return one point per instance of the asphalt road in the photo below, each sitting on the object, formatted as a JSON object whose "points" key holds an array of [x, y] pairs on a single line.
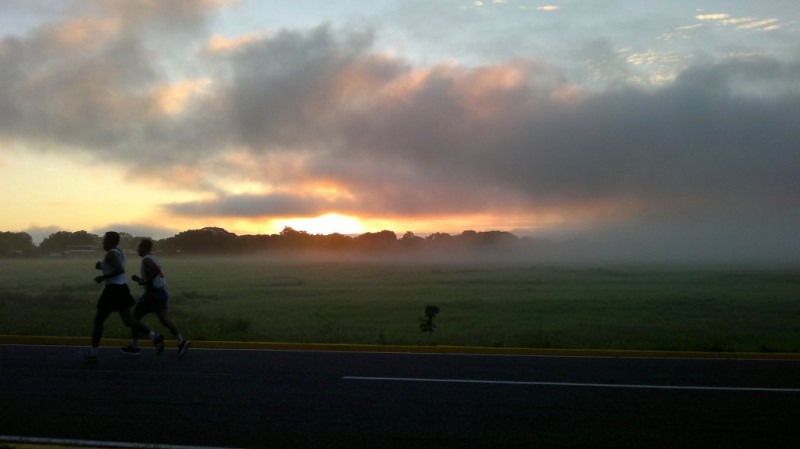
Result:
{"points": [[265, 399]]}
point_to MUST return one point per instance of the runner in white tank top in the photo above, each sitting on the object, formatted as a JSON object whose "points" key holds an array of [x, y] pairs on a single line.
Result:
{"points": [[110, 270], [116, 296]]}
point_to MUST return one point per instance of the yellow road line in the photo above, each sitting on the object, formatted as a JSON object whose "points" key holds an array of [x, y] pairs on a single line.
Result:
{"points": [[84, 341]]}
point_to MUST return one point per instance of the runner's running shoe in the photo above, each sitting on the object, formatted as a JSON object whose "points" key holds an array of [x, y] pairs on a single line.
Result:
{"points": [[183, 347], [130, 350], [90, 355], [158, 342]]}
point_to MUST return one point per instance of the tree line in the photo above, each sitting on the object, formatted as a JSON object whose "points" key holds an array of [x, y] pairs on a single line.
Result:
{"points": [[214, 240]]}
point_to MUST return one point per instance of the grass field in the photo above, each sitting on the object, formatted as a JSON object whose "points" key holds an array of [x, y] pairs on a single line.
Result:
{"points": [[504, 305]]}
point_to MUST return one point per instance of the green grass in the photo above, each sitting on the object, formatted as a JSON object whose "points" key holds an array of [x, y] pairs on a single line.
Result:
{"points": [[512, 305]]}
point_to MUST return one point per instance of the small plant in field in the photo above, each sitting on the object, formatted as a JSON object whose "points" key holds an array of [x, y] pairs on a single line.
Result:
{"points": [[426, 323]]}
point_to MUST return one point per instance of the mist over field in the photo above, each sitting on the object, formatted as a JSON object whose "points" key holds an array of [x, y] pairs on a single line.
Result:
{"points": [[470, 247]]}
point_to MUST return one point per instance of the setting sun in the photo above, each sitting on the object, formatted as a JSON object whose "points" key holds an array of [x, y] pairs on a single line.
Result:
{"points": [[325, 224]]}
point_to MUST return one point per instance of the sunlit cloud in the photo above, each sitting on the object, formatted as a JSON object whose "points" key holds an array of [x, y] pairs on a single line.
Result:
{"points": [[683, 32], [736, 21], [548, 8], [742, 23], [173, 99], [656, 57], [83, 31], [766, 25], [704, 17], [224, 44]]}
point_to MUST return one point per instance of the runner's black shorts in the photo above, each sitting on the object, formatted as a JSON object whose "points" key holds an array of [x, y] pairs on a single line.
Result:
{"points": [[115, 297]]}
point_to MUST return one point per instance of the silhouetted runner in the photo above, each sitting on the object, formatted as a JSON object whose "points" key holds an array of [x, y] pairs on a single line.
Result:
{"points": [[116, 296], [155, 299]]}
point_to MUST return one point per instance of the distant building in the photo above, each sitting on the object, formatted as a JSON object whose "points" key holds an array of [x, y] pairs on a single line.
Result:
{"points": [[77, 251]]}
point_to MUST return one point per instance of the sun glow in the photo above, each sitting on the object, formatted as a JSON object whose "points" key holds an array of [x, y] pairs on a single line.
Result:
{"points": [[325, 224]]}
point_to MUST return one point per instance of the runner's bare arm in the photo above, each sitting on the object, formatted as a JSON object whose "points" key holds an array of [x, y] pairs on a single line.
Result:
{"points": [[151, 270]]}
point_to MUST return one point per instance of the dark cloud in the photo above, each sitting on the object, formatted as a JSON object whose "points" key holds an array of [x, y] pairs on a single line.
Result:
{"points": [[39, 233], [285, 89], [702, 142], [253, 206], [138, 230]]}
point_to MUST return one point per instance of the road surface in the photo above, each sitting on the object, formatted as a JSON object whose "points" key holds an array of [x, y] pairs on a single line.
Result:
{"points": [[316, 399]]}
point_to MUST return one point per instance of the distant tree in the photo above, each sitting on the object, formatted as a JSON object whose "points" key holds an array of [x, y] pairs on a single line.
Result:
{"points": [[65, 241], [210, 240], [16, 244], [334, 242], [291, 239], [255, 243], [214, 240], [409, 241], [440, 240], [497, 238], [378, 241], [128, 242], [468, 238]]}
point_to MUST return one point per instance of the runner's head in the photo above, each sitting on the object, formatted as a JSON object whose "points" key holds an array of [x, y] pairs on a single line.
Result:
{"points": [[145, 246], [110, 240]]}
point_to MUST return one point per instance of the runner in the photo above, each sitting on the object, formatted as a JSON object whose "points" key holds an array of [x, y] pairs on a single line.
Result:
{"points": [[116, 297], [155, 299]]}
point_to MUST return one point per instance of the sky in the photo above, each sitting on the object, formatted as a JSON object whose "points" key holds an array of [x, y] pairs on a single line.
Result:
{"points": [[660, 128]]}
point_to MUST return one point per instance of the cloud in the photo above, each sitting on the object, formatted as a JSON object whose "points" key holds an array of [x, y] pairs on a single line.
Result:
{"points": [[225, 44], [765, 25], [704, 17], [548, 8], [138, 230], [39, 233], [457, 136], [270, 205], [92, 82], [306, 122], [742, 23]]}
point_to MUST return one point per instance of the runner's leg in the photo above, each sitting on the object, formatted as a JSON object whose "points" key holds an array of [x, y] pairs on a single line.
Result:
{"points": [[163, 316], [97, 328], [130, 321], [139, 311]]}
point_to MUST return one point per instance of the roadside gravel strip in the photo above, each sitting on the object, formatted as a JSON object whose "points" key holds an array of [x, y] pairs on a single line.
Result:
{"points": [[274, 346]]}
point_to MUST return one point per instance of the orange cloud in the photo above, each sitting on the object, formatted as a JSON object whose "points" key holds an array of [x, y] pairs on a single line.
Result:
{"points": [[172, 99], [404, 86], [483, 90], [219, 44], [364, 77], [83, 31]]}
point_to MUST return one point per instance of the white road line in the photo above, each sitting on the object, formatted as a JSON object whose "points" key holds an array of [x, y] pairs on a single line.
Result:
{"points": [[93, 443], [575, 384]]}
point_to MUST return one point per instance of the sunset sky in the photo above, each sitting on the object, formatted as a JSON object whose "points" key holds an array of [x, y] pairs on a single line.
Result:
{"points": [[656, 126]]}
